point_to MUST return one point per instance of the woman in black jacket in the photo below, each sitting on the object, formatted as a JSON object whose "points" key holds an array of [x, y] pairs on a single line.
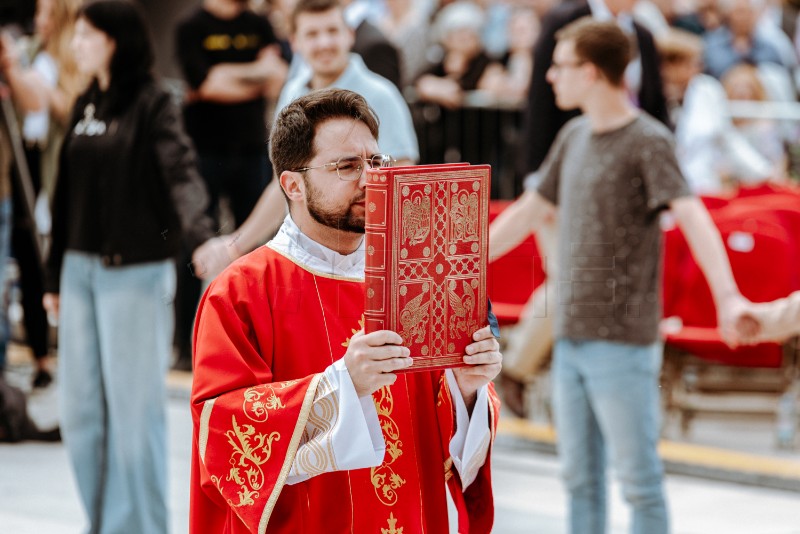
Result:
{"points": [[127, 191]]}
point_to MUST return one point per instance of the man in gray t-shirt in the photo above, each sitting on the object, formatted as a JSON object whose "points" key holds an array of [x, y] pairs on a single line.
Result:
{"points": [[608, 176], [610, 187]]}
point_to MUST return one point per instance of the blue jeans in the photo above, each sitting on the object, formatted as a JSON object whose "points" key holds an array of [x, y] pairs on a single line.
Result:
{"points": [[606, 396], [6, 223], [114, 338]]}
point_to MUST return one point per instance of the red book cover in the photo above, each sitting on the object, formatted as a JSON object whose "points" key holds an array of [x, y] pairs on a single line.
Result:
{"points": [[427, 241]]}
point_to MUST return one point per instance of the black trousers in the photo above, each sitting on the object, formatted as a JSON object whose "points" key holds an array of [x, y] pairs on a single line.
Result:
{"points": [[31, 270]]}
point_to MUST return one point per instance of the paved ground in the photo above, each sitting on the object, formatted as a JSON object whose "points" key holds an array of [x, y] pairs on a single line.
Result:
{"points": [[38, 493]]}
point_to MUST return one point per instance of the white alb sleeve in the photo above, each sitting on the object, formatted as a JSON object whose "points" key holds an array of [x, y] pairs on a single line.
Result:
{"points": [[342, 431], [470, 444]]}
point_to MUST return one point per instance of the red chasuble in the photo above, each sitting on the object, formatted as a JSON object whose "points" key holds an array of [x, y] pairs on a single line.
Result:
{"points": [[266, 329]]}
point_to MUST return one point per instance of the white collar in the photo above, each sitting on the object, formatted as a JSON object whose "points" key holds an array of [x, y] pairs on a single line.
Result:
{"points": [[292, 242], [350, 77]]}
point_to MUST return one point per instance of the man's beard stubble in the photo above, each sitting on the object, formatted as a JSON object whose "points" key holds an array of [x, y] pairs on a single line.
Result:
{"points": [[342, 219]]}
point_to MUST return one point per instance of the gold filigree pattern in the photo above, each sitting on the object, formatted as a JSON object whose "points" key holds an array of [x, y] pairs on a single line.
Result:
{"points": [[393, 529], [448, 469], [416, 219], [251, 450], [464, 216], [384, 479], [414, 318], [346, 342], [315, 454], [442, 391], [259, 400], [462, 309]]}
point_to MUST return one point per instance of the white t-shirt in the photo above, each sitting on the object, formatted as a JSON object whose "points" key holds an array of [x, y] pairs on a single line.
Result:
{"points": [[37, 123]]}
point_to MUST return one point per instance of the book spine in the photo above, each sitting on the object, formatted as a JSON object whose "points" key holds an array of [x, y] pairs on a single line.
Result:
{"points": [[377, 271]]}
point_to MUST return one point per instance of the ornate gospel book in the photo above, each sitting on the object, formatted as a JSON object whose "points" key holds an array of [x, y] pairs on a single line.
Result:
{"points": [[427, 243]]}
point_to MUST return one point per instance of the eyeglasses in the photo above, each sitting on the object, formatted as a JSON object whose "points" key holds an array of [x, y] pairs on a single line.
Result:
{"points": [[351, 168]]}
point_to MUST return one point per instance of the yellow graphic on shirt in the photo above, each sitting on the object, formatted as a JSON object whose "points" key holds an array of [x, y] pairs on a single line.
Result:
{"points": [[219, 41]]}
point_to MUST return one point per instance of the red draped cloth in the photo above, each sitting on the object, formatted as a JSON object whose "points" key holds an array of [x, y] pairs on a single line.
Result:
{"points": [[266, 330]]}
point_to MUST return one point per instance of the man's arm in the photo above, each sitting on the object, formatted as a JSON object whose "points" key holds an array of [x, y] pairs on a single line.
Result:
{"points": [[709, 251], [779, 319], [214, 255], [239, 82], [515, 223]]}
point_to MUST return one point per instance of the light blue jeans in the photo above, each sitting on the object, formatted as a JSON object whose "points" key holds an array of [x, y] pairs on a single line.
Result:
{"points": [[115, 338], [606, 396]]}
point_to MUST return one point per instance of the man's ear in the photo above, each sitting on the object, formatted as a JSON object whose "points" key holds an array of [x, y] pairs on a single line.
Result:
{"points": [[293, 186], [595, 73]]}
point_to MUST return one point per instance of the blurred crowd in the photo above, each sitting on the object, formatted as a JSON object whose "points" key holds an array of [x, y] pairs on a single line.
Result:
{"points": [[109, 233], [451, 54]]}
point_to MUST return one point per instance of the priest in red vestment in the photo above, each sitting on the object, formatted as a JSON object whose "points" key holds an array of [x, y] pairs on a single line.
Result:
{"points": [[301, 424]]}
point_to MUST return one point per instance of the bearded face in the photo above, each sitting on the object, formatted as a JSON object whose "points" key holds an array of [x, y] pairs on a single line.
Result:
{"points": [[348, 217]]}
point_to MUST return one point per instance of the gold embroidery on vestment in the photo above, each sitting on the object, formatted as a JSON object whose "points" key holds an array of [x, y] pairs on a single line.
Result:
{"points": [[392, 522], [258, 400], [448, 469], [384, 479], [205, 417], [361, 324], [316, 454], [251, 450]]}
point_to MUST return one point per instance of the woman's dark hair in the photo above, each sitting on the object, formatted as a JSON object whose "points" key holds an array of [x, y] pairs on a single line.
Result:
{"points": [[132, 62]]}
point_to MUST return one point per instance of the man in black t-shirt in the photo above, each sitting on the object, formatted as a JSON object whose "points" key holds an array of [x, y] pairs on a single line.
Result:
{"points": [[231, 60]]}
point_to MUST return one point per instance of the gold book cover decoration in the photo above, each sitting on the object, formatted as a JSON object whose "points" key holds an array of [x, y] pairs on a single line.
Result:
{"points": [[427, 244]]}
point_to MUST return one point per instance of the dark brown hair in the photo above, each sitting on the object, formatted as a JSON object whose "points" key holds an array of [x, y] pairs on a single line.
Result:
{"points": [[603, 44], [311, 6], [291, 143]]}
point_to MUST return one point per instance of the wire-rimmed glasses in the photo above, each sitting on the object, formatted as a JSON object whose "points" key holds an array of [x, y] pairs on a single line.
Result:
{"points": [[351, 168]]}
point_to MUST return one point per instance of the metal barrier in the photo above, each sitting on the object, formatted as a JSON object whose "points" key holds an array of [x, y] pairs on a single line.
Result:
{"points": [[482, 130]]}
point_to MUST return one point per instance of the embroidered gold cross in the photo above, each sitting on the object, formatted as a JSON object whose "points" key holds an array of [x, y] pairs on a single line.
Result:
{"points": [[392, 528]]}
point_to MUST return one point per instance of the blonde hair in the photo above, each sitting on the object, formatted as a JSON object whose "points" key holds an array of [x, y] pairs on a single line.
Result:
{"points": [[64, 14]]}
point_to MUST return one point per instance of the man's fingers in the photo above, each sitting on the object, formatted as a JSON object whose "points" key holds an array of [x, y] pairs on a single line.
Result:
{"points": [[483, 333], [487, 345], [393, 364], [489, 371], [383, 337], [484, 358]]}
